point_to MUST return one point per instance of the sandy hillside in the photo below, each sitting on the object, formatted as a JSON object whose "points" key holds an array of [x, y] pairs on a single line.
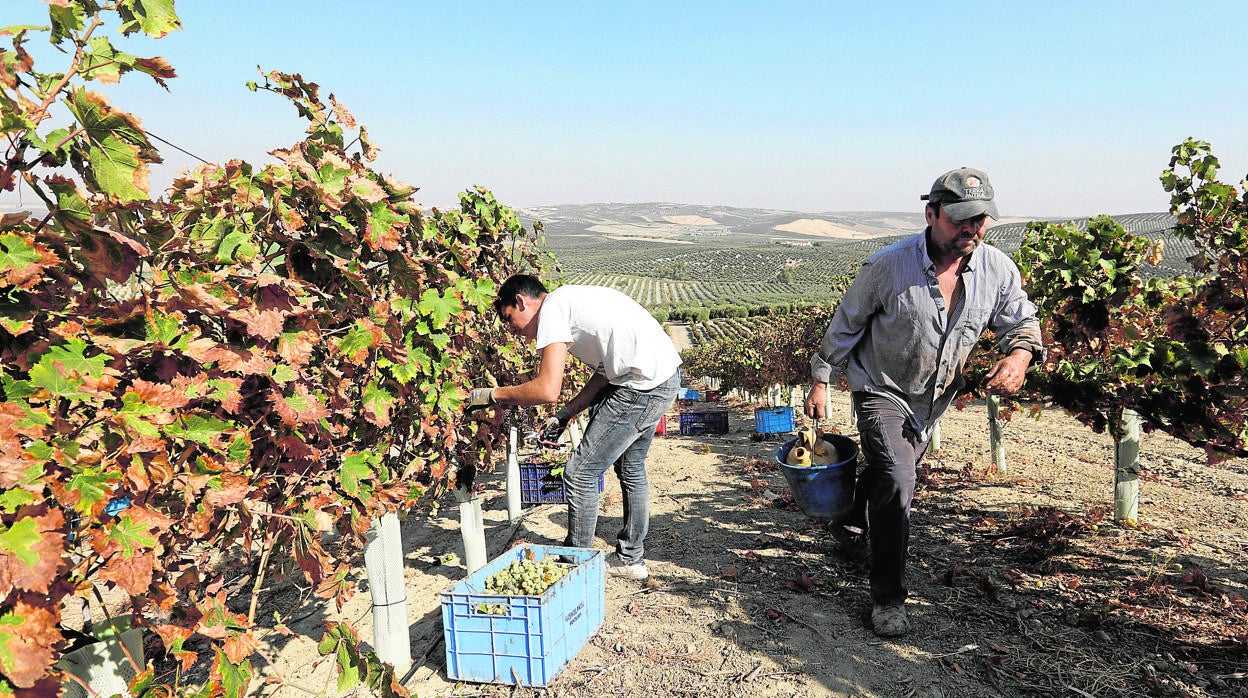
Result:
{"points": [[821, 228], [690, 220]]}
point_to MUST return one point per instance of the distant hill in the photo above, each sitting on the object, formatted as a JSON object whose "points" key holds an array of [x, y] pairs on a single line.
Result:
{"points": [[580, 226], [678, 255]]}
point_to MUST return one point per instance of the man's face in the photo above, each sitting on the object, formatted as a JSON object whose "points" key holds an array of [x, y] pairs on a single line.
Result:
{"points": [[521, 318], [950, 238]]}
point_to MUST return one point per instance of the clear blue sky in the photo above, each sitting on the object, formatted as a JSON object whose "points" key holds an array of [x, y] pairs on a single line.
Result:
{"points": [[1071, 107]]}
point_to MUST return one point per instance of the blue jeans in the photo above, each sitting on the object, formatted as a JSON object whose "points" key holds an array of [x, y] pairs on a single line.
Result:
{"points": [[621, 428], [891, 452]]}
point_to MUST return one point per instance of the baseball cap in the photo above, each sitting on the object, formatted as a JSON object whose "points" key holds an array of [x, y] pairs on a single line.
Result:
{"points": [[963, 193]]}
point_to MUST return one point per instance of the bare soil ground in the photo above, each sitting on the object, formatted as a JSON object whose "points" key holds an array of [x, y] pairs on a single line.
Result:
{"points": [[1021, 584]]}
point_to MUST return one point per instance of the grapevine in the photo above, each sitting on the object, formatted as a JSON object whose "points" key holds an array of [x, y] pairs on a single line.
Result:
{"points": [[263, 357], [1173, 350]]}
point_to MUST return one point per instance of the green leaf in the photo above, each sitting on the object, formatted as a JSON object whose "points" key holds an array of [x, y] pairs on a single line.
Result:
{"points": [[156, 18], [381, 221], [236, 246], [198, 428], [481, 293], [11, 500], [66, 20], [20, 539], [333, 174], [379, 401], [55, 381], [328, 644], [134, 409], [16, 389], [449, 401], [282, 374], [235, 678], [92, 487], [130, 536], [102, 62], [239, 450], [357, 341], [71, 207], [221, 390], [16, 252], [72, 355], [357, 467], [349, 675], [165, 329], [12, 120], [418, 362], [441, 308], [114, 142]]}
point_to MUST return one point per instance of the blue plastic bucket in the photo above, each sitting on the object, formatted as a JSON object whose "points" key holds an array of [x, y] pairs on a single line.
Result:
{"points": [[824, 492]]}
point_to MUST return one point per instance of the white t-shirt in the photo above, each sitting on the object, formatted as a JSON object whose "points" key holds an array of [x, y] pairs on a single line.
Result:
{"points": [[610, 332]]}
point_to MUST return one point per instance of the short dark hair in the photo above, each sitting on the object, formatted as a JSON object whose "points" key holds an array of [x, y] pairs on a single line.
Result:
{"points": [[518, 285]]}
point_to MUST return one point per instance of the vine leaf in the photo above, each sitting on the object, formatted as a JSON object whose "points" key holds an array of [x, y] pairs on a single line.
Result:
{"points": [[234, 678], [27, 636], [114, 146], [30, 553], [155, 18], [132, 536], [133, 573], [22, 260], [441, 308], [356, 467]]}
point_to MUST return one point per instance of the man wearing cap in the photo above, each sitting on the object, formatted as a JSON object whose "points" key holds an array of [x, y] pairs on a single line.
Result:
{"points": [[901, 336]]}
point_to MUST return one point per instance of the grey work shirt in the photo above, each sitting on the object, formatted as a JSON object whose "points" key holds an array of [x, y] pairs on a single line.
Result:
{"points": [[892, 334]]}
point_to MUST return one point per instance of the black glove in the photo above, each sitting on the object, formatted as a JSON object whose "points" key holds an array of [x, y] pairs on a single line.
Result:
{"points": [[553, 428]]}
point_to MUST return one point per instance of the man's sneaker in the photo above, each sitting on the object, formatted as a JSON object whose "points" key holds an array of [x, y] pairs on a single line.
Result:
{"points": [[617, 568], [890, 620]]}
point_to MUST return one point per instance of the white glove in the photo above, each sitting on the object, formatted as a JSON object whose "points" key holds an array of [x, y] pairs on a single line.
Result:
{"points": [[479, 397]]}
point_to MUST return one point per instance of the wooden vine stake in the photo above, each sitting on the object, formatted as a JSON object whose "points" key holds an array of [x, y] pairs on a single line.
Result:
{"points": [[1127, 470], [995, 441]]}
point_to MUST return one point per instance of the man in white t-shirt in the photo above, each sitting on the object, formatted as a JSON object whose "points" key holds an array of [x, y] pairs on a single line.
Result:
{"points": [[636, 376]]}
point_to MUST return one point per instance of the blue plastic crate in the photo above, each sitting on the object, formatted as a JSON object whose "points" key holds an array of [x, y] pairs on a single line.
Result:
{"points": [[695, 422], [539, 486], [535, 636], [687, 394], [773, 420]]}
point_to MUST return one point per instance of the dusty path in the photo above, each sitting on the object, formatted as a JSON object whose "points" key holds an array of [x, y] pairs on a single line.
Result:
{"points": [[1018, 587], [680, 336]]}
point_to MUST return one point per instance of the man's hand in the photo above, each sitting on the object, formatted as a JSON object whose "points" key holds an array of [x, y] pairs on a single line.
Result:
{"points": [[478, 398], [1006, 378], [553, 428], [815, 400]]}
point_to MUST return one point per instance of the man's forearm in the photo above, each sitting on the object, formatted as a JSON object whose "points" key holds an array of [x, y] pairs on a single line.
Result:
{"points": [[534, 392]]}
